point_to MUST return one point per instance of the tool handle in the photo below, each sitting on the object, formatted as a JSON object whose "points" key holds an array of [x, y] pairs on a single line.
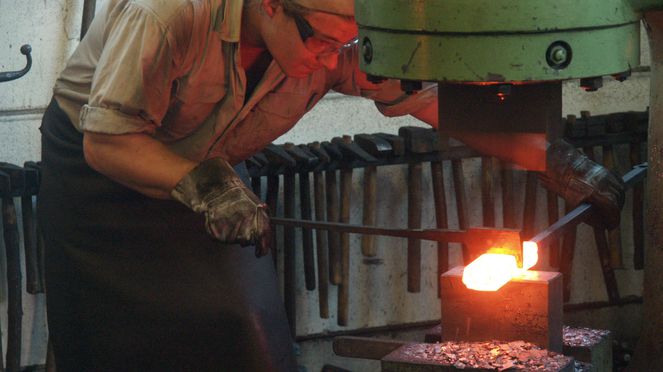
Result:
{"points": [[553, 215], [369, 209], [289, 274], [487, 190], [321, 245], [272, 201], [638, 212], [344, 217], [508, 210], [32, 283], [461, 203], [333, 238], [529, 209], [414, 198], [307, 234], [614, 235], [14, 300], [437, 177]]}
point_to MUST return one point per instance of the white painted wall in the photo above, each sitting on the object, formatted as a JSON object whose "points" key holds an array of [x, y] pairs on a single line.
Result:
{"points": [[378, 295]]}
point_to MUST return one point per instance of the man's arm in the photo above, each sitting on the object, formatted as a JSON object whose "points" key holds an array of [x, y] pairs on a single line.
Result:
{"points": [[137, 161], [513, 148], [232, 212]]}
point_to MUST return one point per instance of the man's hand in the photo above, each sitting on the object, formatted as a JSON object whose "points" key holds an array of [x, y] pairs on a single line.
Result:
{"points": [[233, 213], [574, 177]]}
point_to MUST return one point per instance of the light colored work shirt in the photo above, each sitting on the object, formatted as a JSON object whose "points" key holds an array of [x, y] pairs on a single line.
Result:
{"points": [[172, 69]]}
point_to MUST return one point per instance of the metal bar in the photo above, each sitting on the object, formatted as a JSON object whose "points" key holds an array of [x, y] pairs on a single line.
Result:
{"points": [[582, 212], [443, 235]]}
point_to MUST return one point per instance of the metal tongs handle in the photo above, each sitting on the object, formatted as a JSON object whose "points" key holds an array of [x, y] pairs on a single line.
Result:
{"points": [[13, 75]]}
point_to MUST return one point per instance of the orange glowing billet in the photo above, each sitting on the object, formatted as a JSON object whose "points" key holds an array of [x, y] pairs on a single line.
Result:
{"points": [[491, 271]]}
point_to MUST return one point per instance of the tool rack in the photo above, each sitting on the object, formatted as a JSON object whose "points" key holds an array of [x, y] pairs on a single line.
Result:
{"points": [[366, 152], [341, 156]]}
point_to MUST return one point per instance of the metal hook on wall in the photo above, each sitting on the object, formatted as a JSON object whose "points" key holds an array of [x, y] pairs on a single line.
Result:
{"points": [[13, 75]]}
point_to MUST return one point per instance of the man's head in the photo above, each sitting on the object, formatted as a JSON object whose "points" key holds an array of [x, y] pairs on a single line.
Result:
{"points": [[306, 35]]}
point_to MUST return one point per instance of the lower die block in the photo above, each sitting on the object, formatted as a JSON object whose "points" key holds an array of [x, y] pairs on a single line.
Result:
{"points": [[528, 308]]}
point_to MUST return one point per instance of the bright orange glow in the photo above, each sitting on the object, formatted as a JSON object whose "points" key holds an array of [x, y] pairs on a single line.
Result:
{"points": [[530, 254], [491, 271]]}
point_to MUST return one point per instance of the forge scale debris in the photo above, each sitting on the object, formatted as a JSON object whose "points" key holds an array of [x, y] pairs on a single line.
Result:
{"points": [[494, 355], [583, 337]]}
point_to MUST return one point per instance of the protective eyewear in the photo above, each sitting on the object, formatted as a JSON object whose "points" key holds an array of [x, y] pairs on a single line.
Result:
{"points": [[306, 31]]}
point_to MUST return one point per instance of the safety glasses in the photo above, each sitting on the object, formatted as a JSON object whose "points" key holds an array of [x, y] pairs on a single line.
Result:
{"points": [[332, 46]]}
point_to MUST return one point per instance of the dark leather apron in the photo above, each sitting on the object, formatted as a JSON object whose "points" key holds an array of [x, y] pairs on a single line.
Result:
{"points": [[136, 284]]}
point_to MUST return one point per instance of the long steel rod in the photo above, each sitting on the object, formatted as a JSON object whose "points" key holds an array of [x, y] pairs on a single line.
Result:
{"points": [[583, 211], [452, 236]]}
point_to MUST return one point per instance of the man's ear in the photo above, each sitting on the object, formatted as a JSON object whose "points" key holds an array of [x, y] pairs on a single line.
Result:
{"points": [[270, 6]]}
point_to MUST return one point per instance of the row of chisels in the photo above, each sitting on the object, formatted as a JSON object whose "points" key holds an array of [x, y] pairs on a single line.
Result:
{"points": [[20, 183], [324, 171]]}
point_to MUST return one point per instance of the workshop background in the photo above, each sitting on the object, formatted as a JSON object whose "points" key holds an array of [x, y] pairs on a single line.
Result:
{"points": [[380, 304]]}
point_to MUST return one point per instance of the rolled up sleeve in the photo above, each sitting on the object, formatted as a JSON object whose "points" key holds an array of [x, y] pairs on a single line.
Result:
{"points": [[133, 79]]}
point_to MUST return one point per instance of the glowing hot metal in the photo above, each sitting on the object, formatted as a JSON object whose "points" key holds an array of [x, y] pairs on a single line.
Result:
{"points": [[491, 271]]}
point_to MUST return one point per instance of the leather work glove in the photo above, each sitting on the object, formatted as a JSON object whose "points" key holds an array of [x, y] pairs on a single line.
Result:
{"points": [[233, 213], [576, 178]]}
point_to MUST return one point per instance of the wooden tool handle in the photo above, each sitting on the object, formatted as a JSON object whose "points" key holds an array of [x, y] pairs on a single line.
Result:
{"points": [[14, 294], [333, 238], [368, 213], [638, 212], [414, 198], [344, 217], [321, 245], [614, 235], [289, 277], [33, 284], [307, 234]]}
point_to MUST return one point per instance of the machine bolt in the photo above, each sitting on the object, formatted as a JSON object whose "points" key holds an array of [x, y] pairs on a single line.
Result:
{"points": [[559, 55], [367, 50]]}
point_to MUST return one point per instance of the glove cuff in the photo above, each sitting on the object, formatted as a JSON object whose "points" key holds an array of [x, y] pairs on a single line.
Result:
{"points": [[212, 176]]}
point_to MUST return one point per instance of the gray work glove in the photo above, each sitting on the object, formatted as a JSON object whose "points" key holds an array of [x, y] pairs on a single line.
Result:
{"points": [[233, 213], [576, 178]]}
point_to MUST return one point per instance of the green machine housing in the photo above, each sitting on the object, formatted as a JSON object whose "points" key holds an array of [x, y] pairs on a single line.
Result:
{"points": [[499, 64]]}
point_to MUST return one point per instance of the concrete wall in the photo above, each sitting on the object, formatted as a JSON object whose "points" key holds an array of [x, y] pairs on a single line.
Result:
{"points": [[378, 294]]}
